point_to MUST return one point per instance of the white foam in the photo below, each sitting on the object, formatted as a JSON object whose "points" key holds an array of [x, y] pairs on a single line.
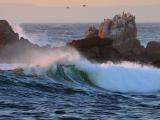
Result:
{"points": [[122, 77]]}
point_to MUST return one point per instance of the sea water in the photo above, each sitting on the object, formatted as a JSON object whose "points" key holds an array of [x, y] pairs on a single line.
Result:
{"points": [[69, 87]]}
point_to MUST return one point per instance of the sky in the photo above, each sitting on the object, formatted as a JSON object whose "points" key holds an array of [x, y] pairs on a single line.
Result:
{"points": [[19, 11]]}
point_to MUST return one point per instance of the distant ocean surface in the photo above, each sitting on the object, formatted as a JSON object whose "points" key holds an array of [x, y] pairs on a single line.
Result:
{"points": [[59, 34], [64, 86]]}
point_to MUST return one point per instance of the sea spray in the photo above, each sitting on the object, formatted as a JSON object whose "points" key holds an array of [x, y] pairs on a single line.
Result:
{"points": [[122, 77], [18, 29], [35, 38]]}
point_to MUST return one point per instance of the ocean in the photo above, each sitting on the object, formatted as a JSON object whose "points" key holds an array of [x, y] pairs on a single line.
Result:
{"points": [[66, 86]]}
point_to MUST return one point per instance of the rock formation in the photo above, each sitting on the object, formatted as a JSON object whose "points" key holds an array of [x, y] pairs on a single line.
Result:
{"points": [[121, 27], [13, 48], [91, 32], [117, 41], [7, 35], [113, 41]]}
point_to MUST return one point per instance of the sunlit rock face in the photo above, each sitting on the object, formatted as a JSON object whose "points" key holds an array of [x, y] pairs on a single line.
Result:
{"points": [[121, 27], [91, 32]]}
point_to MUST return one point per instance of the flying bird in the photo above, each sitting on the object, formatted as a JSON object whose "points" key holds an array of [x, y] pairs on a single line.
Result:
{"points": [[83, 5], [67, 7]]}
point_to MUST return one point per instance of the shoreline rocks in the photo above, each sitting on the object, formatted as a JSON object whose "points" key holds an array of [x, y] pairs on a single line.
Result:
{"points": [[98, 45]]}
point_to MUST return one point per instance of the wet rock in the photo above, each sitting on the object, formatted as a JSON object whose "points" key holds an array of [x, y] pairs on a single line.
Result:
{"points": [[96, 48], [153, 50], [156, 63], [128, 46]]}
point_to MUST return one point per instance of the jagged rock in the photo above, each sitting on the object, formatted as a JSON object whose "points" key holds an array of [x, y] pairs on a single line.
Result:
{"points": [[104, 28], [119, 28], [128, 46], [13, 48], [117, 41], [153, 51], [7, 35], [91, 32], [96, 49]]}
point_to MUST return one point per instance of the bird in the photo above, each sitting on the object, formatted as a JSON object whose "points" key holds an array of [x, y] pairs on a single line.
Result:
{"points": [[83, 5], [67, 7]]}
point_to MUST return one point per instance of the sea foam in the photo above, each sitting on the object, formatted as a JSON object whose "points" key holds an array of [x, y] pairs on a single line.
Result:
{"points": [[124, 77]]}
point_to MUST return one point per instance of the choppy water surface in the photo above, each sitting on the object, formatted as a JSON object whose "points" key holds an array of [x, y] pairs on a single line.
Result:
{"points": [[79, 90]]}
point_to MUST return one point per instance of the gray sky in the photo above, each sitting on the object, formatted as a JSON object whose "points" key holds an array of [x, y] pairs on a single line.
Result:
{"points": [[27, 12]]}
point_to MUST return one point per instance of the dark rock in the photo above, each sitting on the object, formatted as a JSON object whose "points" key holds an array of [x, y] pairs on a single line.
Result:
{"points": [[102, 50], [91, 32], [153, 51], [156, 63], [13, 48], [7, 34], [96, 48], [118, 41]]}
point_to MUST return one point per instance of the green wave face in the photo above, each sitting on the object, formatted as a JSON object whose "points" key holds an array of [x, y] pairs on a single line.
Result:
{"points": [[70, 73]]}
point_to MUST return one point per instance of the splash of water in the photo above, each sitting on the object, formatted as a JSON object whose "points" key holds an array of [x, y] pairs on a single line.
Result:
{"points": [[18, 29], [122, 77]]}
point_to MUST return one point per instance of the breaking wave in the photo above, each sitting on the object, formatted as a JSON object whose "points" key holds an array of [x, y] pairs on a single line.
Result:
{"points": [[69, 66], [122, 77]]}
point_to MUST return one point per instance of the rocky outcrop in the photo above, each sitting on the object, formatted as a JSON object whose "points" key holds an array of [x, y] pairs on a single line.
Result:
{"points": [[117, 41], [91, 32], [153, 51], [121, 27], [94, 47], [7, 35], [95, 50], [13, 48]]}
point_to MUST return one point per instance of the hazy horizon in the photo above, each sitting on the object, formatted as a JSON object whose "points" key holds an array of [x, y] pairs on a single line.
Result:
{"points": [[49, 11]]}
